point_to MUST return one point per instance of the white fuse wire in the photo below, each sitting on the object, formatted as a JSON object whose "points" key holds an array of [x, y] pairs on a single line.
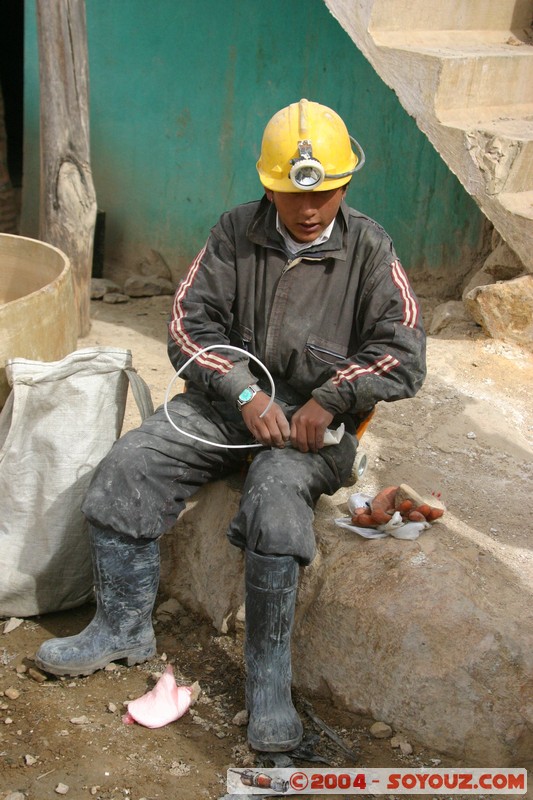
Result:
{"points": [[193, 358]]}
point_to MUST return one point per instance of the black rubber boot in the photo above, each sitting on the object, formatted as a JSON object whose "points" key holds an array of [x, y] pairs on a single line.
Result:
{"points": [[271, 586], [126, 578]]}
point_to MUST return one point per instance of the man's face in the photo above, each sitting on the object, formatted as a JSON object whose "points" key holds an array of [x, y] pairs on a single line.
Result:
{"points": [[306, 215]]}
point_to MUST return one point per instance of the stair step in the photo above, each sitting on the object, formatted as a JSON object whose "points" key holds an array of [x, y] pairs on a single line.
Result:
{"points": [[519, 203], [460, 77], [453, 41], [451, 14], [503, 150], [511, 121]]}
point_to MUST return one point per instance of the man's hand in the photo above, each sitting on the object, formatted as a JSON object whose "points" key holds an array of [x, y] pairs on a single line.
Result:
{"points": [[308, 427], [272, 430]]}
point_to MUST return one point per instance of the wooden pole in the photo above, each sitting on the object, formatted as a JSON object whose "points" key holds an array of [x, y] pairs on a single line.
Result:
{"points": [[67, 197]]}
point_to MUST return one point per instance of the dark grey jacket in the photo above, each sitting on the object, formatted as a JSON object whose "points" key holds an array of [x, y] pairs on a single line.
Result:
{"points": [[340, 323]]}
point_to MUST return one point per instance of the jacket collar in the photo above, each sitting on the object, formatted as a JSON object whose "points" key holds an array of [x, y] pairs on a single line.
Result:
{"points": [[262, 231]]}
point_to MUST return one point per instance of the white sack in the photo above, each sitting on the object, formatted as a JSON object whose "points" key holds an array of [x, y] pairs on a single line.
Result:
{"points": [[59, 421]]}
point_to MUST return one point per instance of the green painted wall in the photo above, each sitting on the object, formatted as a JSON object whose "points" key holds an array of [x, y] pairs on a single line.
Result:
{"points": [[180, 93]]}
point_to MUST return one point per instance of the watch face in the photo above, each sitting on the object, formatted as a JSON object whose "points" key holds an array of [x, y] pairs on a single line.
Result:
{"points": [[246, 395]]}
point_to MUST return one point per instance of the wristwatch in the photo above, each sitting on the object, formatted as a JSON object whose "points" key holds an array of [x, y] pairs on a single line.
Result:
{"points": [[247, 394]]}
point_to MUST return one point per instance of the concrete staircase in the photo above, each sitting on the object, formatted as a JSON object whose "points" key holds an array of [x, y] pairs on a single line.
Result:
{"points": [[464, 70]]}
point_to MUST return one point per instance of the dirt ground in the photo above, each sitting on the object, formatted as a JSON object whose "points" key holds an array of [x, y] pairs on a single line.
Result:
{"points": [[468, 434]]}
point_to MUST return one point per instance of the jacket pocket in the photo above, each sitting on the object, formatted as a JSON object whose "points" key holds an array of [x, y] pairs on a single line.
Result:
{"points": [[324, 351]]}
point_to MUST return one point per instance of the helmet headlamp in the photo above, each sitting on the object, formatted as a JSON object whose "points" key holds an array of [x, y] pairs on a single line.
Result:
{"points": [[307, 173]]}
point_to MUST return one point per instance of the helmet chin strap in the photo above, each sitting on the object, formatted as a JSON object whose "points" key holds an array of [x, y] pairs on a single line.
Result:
{"points": [[307, 173]]}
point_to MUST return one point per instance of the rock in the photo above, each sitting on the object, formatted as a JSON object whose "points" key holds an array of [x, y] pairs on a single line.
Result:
{"points": [[30, 760], [240, 718], [224, 628], [380, 730], [212, 568], [83, 720], [406, 748], [179, 768], [240, 618], [102, 286], [115, 297], [503, 264], [170, 608], [61, 788], [426, 634], [111, 707], [505, 310], [453, 312], [15, 796], [479, 278], [155, 265], [12, 693], [147, 286], [12, 624], [37, 675]]}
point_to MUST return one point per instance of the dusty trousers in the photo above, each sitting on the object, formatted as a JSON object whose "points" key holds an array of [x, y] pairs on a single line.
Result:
{"points": [[141, 486]]}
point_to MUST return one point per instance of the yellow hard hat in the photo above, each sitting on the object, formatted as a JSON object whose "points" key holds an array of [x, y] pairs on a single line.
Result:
{"points": [[306, 147]]}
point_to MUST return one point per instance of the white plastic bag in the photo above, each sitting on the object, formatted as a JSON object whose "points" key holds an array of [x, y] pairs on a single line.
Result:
{"points": [[396, 527], [59, 421]]}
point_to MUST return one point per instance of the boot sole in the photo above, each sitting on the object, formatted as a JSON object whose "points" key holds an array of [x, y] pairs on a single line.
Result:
{"points": [[131, 657]]}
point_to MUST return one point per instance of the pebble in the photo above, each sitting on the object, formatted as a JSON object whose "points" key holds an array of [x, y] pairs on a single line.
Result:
{"points": [[111, 707], [471, 435], [20, 669], [12, 623], [15, 796], [241, 718], [12, 693], [29, 760], [405, 747], [115, 297], [380, 730], [36, 675], [170, 607], [179, 769], [80, 720], [61, 788]]}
